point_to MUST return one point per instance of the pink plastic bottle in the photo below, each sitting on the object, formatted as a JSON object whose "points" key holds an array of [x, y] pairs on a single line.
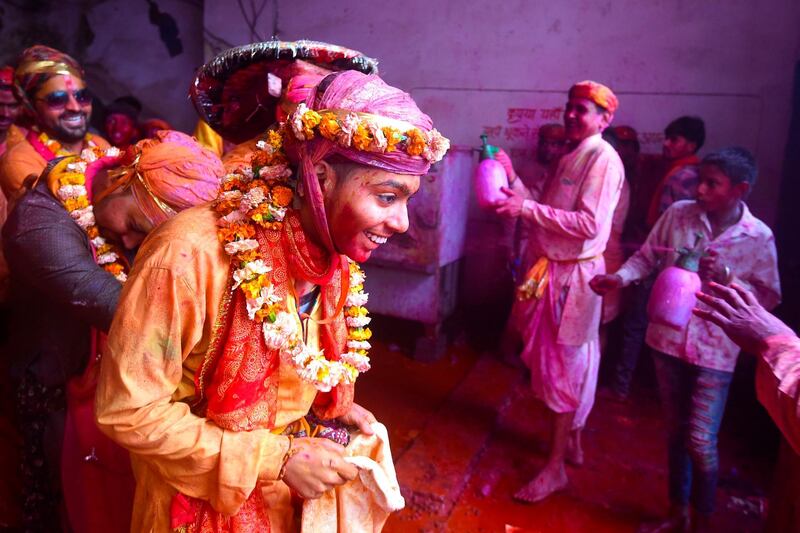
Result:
{"points": [[673, 296], [490, 177]]}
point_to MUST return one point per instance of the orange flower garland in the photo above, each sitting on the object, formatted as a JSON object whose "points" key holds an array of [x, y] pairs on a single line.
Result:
{"points": [[55, 147], [364, 132], [260, 195], [73, 195]]}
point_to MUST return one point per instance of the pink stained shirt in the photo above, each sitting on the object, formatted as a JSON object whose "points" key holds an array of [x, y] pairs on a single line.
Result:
{"points": [[747, 248], [571, 224], [778, 385]]}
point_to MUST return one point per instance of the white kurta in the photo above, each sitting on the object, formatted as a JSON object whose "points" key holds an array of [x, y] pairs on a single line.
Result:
{"points": [[570, 226]]}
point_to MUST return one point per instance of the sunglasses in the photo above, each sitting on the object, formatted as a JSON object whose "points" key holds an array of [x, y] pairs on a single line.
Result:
{"points": [[60, 99]]}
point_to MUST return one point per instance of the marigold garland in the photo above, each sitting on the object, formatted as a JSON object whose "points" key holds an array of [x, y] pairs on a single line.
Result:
{"points": [[73, 196], [55, 147], [364, 132], [261, 195]]}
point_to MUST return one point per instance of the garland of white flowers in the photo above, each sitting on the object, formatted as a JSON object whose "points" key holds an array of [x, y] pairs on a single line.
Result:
{"points": [[73, 195], [260, 195]]}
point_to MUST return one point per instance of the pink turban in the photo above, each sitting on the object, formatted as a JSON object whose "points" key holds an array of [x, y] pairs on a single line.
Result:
{"points": [[352, 91], [173, 173], [597, 93]]}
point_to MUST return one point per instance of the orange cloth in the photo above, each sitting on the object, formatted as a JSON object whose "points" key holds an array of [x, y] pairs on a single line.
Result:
{"points": [[341, 509], [597, 93], [22, 160], [15, 134], [159, 338]]}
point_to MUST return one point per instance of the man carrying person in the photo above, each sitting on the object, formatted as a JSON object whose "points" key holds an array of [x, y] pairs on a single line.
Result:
{"points": [[66, 281], [659, 182], [51, 87], [694, 364], [250, 313], [570, 225]]}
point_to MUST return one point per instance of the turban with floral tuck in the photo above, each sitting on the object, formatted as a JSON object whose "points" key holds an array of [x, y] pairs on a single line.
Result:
{"points": [[165, 174]]}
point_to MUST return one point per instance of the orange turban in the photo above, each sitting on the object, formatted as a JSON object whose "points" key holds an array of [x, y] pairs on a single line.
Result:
{"points": [[597, 93], [173, 172], [166, 174]]}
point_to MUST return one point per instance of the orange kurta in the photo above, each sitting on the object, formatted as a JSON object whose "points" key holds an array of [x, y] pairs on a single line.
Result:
{"points": [[21, 160], [158, 340]]}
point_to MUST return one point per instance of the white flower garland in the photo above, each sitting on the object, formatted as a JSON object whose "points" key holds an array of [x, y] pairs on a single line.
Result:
{"points": [[242, 204], [73, 195]]}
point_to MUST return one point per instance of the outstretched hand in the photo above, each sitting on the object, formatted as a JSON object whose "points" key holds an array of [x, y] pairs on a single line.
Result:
{"points": [[316, 467], [741, 317]]}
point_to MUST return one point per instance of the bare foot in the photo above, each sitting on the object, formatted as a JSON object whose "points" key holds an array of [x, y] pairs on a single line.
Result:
{"points": [[550, 480]]}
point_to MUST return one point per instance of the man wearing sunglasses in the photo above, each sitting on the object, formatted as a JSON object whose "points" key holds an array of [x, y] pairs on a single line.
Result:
{"points": [[50, 84]]}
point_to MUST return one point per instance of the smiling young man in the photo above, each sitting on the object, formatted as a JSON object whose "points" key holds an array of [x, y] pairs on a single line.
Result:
{"points": [[251, 314], [695, 364], [558, 313], [51, 86]]}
